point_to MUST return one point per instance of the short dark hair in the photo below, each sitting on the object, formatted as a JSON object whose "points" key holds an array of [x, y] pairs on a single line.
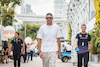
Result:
{"points": [[17, 33], [83, 25], [49, 14]]}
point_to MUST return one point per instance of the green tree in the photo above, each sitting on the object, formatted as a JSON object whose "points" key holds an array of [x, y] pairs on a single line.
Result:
{"points": [[95, 34], [31, 31], [7, 2], [8, 13], [8, 17]]}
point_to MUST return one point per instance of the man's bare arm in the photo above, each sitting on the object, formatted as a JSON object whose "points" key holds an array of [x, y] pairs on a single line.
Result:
{"points": [[39, 44], [10, 47], [90, 45], [59, 44], [23, 47], [39, 47], [76, 42]]}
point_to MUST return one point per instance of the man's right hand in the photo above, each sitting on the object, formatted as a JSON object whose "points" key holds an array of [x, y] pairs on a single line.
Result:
{"points": [[41, 55], [9, 53], [76, 47]]}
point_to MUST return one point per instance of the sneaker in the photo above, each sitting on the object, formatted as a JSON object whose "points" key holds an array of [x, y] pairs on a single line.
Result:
{"points": [[3, 62], [6, 62]]}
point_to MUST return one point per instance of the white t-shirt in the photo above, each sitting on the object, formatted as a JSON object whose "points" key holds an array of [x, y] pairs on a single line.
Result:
{"points": [[68, 47], [36, 50], [49, 35], [11, 53], [32, 47]]}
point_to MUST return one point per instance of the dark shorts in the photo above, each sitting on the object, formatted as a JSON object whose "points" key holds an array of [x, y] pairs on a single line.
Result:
{"points": [[6, 53]]}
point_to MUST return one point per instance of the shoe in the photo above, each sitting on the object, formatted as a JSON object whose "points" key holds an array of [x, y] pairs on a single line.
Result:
{"points": [[24, 62], [3, 62], [6, 62]]}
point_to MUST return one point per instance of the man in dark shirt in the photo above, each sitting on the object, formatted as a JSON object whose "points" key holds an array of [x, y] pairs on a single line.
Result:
{"points": [[82, 41], [16, 43]]}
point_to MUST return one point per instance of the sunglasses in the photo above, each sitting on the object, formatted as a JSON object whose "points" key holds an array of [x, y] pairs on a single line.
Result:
{"points": [[49, 17]]}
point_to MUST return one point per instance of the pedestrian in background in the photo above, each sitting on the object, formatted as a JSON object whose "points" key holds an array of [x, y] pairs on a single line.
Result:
{"points": [[5, 50], [31, 51], [68, 47], [83, 43], [16, 43], [36, 51], [28, 51]]}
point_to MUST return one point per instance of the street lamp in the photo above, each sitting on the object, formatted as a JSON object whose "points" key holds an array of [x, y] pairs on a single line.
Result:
{"points": [[25, 23], [9, 32], [28, 40]]}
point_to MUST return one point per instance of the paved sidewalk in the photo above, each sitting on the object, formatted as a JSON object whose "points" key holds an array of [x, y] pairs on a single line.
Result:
{"points": [[94, 64], [37, 62]]}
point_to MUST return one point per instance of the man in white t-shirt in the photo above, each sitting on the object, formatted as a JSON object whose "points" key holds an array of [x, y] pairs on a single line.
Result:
{"points": [[50, 35], [68, 47]]}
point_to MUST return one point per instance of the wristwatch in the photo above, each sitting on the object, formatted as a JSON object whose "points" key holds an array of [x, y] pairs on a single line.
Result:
{"points": [[39, 51]]}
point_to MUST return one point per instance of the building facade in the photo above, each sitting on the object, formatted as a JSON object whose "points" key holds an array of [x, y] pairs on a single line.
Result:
{"points": [[60, 7], [26, 9], [17, 25]]}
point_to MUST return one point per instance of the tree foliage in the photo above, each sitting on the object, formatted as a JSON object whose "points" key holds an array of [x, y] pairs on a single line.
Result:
{"points": [[8, 16], [7, 2], [95, 34], [31, 31], [8, 12]]}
